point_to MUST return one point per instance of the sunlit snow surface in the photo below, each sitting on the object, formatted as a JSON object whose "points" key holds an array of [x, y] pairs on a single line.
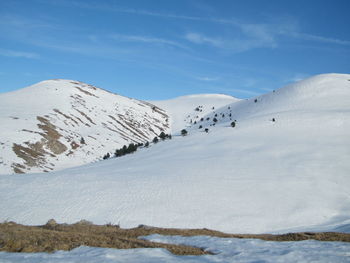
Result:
{"points": [[226, 250], [261, 176]]}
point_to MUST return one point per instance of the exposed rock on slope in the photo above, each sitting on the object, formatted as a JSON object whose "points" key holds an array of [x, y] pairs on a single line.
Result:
{"points": [[62, 123]]}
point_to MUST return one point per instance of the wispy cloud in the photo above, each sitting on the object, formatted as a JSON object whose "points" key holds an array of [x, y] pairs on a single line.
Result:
{"points": [[265, 33], [207, 79], [254, 38], [147, 39], [201, 39], [321, 39], [18, 54]]}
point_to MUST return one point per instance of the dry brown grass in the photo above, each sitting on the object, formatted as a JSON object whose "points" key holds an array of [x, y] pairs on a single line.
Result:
{"points": [[51, 237]]}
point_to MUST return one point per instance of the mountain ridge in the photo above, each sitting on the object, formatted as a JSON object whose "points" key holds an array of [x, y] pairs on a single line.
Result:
{"points": [[47, 122]]}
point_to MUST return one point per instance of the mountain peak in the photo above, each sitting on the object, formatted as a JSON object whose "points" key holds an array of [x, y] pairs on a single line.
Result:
{"points": [[45, 123]]}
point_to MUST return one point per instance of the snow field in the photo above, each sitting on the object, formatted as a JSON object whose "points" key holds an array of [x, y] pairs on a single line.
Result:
{"points": [[226, 249], [259, 177]]}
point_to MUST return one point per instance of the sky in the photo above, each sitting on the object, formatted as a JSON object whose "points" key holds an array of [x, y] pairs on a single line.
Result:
{"points": [[161, 49]]}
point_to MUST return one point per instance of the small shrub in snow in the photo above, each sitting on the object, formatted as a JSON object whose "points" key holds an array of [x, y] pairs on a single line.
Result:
{"points": [[183, 132], [106, 156], [273, 119], [155, 139], [233, 124], [82, 140], [162, 135], [206, 130], [256, 100], [200, 127], [215, 120]]}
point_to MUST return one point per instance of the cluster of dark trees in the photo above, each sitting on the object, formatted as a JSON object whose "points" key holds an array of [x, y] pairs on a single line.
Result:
{"points": [[132, 147]]}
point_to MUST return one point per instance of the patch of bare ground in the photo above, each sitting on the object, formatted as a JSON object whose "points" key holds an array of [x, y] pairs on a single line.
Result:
{"points": [[34, 153], [52, 236]]}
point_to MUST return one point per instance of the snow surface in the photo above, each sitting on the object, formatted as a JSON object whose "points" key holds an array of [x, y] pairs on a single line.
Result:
{"points": [[185, 110], [73, 110], [226, 249], [261, 176]]}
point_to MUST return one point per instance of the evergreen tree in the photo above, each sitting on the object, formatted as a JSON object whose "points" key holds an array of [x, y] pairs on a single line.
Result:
{"points": [[131, 148], [233, 124], [183, 132], [162, 135]]}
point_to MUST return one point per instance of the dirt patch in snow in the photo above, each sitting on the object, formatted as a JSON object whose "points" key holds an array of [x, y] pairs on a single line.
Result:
{"points": [[34, 153], [86, 92], [52, 136], [52, 236]]}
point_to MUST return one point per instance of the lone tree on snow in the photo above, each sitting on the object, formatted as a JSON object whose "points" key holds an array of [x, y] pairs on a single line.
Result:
{"points": [[233, 124], [162, 135], [183, 132]]}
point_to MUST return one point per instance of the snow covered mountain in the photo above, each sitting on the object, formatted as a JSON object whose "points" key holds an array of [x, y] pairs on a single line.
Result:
{"points": [[188, 110], [284, 167], [59, 123]]}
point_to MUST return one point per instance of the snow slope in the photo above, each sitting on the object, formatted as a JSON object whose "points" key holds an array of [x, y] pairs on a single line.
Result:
{"points": [[226, 249], [313, 99], [186, 110], [42, 126], [261, 176]]}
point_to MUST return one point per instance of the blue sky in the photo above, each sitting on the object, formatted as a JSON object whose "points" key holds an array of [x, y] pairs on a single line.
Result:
{"points": [[162, 49]]}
